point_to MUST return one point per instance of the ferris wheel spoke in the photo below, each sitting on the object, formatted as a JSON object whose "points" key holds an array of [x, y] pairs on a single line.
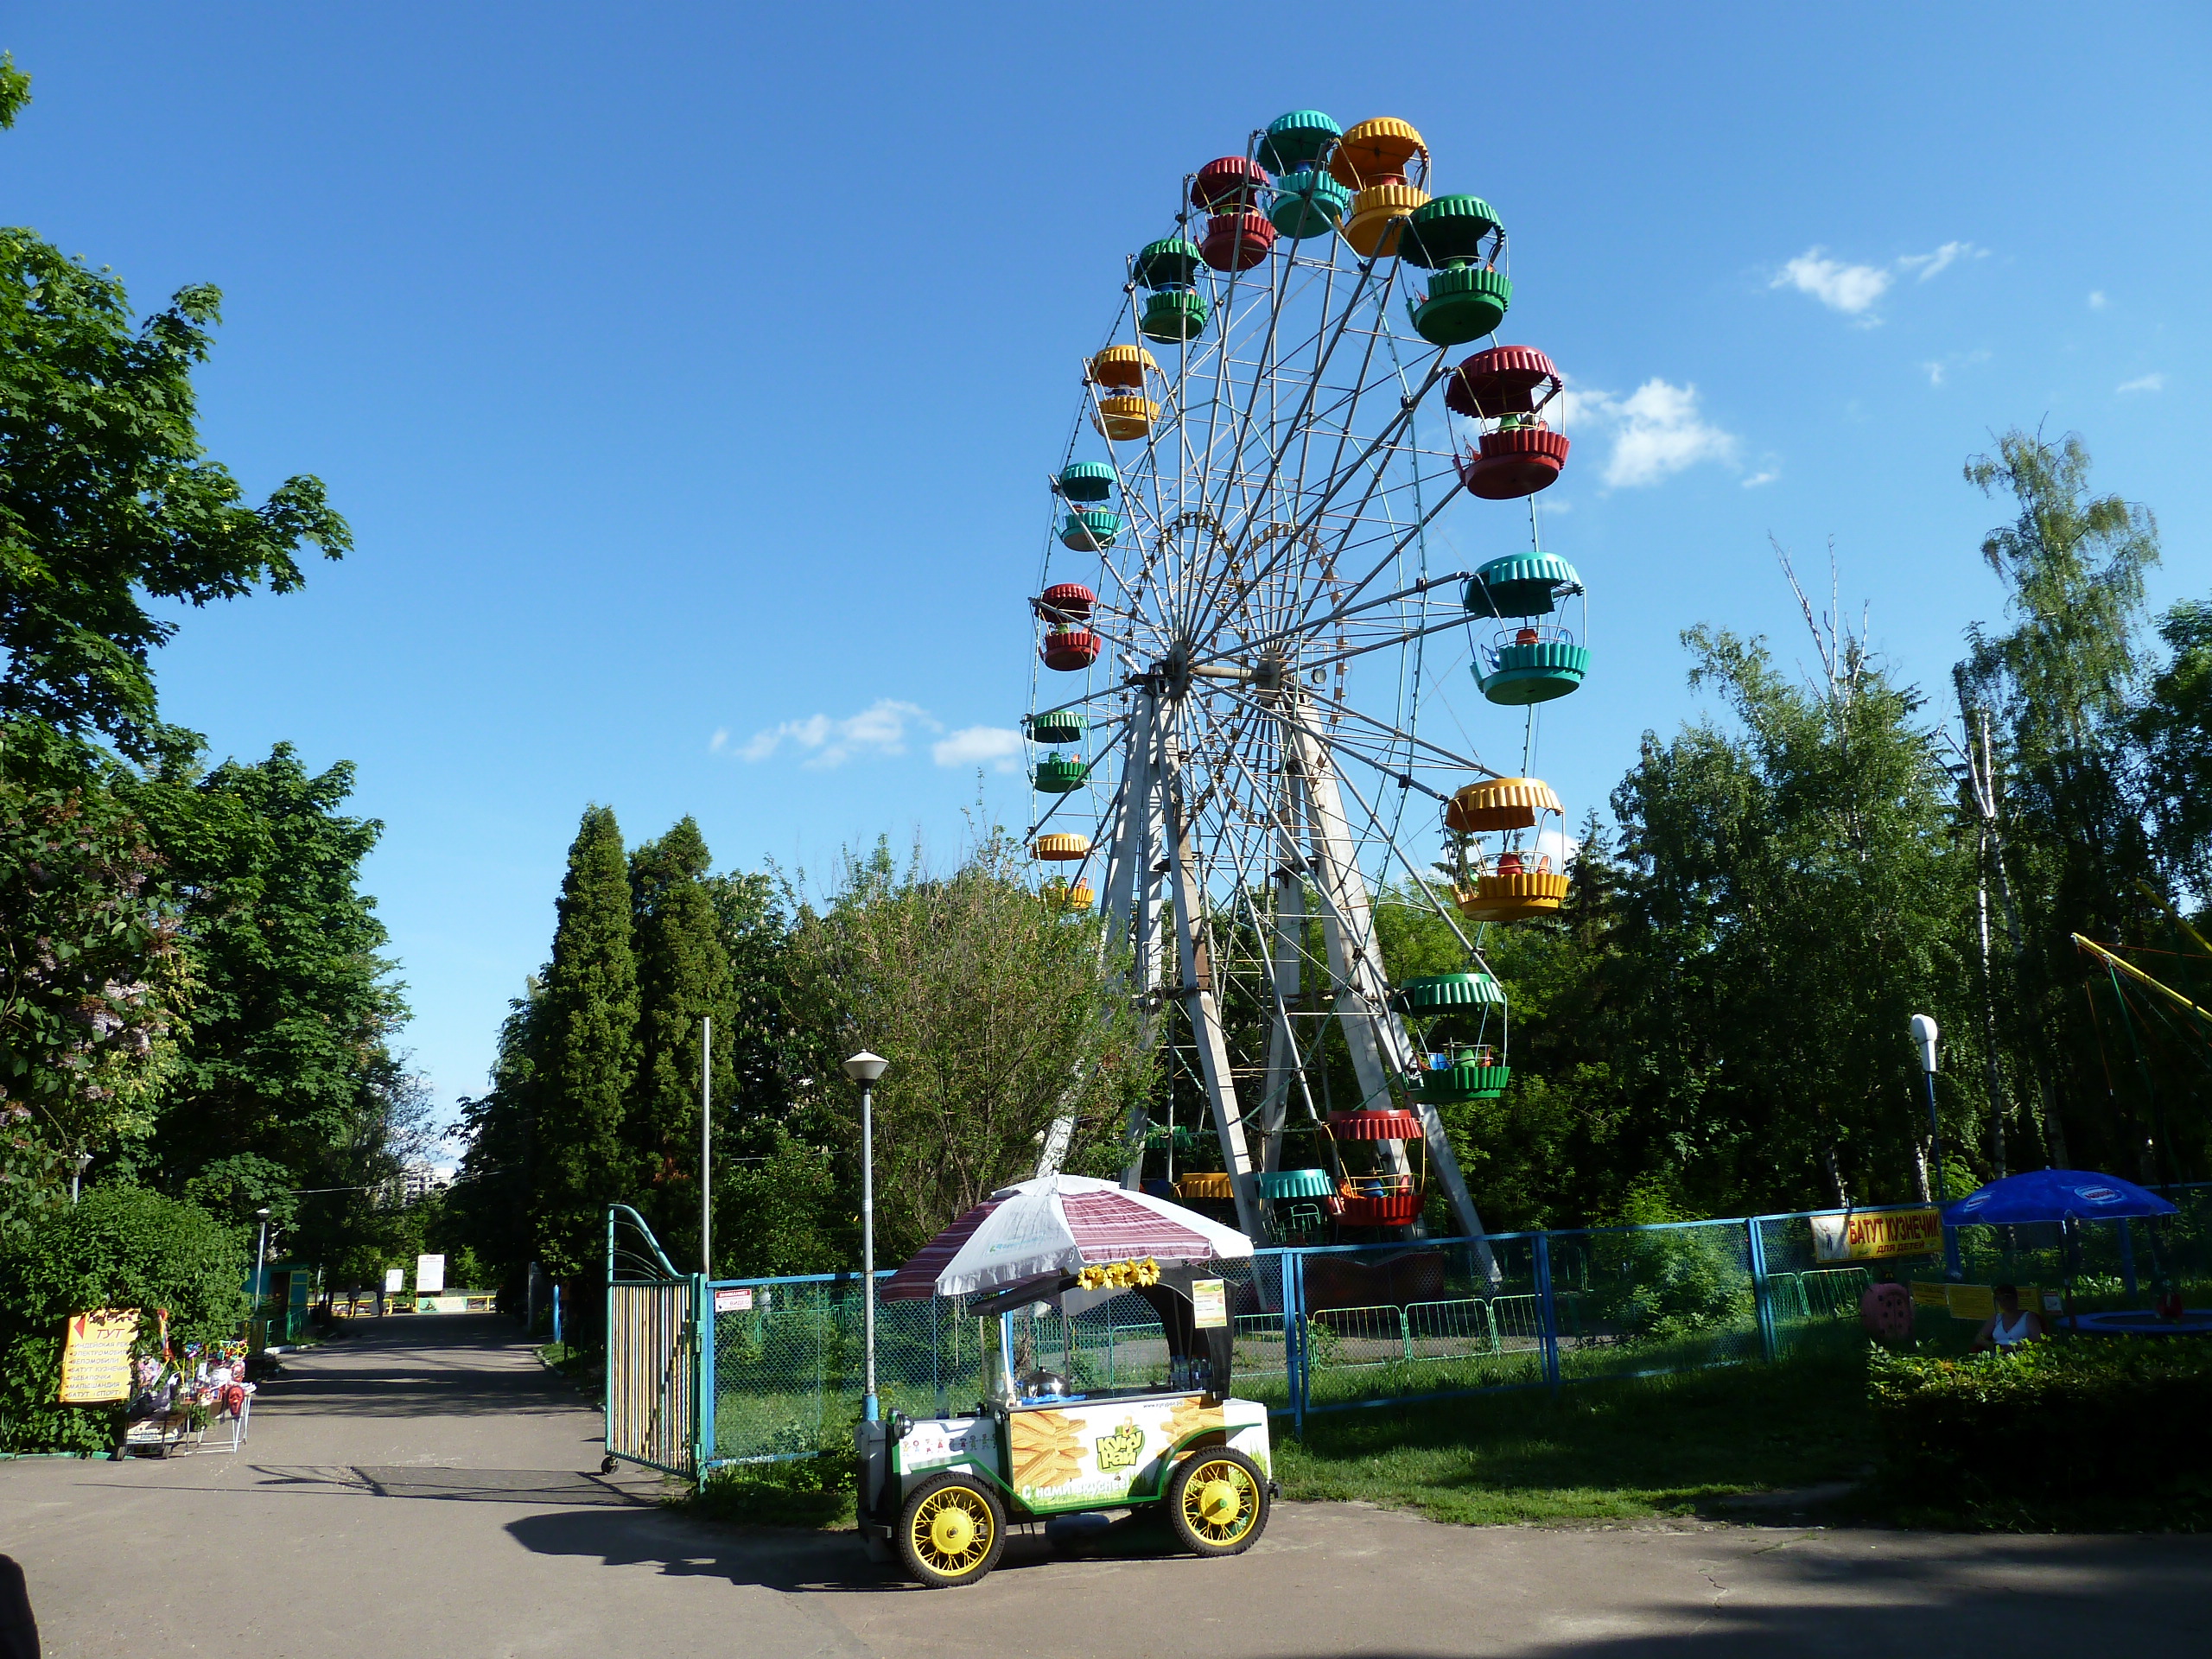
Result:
{"points": [[1262, 641], [1313, 513], [1262, 379], [1444, 757]]}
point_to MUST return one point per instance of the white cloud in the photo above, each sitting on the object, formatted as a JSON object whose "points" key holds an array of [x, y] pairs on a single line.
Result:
{"points": [[1931, 264], [1656, 431], [879, 728], [973, 746], [1849, 289], [1852, 289], [1558, 846], [2143, 382], [2096, 299], [1758, 478]]}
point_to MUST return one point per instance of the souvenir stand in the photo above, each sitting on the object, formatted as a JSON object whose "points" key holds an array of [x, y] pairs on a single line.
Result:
{"points": [[201, 1402]]}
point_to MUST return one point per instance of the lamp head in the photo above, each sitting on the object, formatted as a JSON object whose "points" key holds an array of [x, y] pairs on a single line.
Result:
{"points": [[263, 1214], [865, 1067], [1923, 1033]]}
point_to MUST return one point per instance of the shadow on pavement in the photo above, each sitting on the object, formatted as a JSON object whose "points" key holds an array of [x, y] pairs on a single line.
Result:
{"points": [[539, 1486], [420, 1365], [778, 1559]]}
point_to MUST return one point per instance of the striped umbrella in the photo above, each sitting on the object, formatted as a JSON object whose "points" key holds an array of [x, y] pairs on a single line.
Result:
{"points": [[1057, 1223]]}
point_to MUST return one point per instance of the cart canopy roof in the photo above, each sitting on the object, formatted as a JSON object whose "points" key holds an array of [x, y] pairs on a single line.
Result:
{"points": [[1057, 1224]]}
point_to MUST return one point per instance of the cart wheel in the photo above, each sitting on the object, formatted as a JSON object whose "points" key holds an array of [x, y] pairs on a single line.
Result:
{"points": [[1217, 1503], [951, 1532]]}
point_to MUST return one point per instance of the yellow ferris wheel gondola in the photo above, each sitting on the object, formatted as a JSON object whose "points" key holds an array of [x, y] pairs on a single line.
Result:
{"points": [[1512, 883], [1124, 413]]}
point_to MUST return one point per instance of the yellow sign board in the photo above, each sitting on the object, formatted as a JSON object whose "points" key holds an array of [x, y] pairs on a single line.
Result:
{"points": [[96, 1356], [1870, 1234], [1209, 1304]]}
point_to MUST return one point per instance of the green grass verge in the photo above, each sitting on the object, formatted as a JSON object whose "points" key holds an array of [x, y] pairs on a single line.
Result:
{"points": [[1611, 1450]]}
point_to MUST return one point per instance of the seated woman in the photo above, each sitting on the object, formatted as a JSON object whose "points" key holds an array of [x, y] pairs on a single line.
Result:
{"points": [[2009, 1326]]}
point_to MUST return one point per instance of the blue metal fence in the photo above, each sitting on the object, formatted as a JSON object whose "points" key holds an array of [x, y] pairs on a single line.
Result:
{"points": [[1348, 1327]]}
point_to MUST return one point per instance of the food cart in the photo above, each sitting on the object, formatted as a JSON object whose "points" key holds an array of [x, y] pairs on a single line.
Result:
{"points": [[939, 1493]]}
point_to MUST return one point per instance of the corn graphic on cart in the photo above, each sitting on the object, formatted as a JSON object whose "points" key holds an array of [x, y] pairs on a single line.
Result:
{"points": [[937, 1494]]}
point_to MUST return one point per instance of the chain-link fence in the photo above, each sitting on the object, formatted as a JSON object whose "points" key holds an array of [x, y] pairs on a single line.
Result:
{"points": [[1340, 1327]]}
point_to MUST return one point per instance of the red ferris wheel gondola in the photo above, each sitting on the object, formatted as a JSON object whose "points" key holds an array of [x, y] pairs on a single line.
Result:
{"points": [[1508, 388]]}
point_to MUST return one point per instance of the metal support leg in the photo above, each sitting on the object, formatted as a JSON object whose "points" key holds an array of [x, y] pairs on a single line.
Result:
{"points": [[1195, 987]]}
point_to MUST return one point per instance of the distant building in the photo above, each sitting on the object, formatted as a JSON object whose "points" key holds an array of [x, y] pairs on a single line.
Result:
{"points": [[420, 1180]]}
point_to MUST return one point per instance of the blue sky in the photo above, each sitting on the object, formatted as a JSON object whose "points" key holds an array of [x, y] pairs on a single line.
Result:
{"points": [[690, 371]]}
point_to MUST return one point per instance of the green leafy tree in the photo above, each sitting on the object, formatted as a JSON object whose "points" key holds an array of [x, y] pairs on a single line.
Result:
{"points": [[122, 1247], [587, 1055], [492, 1197], [1790, 895], [287, 1058], [997, 1015], [107, 500], [92, 980], [2173, 727], [2070, 839]]}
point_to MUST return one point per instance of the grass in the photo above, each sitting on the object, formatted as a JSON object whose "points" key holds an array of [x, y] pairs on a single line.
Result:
{"points": [[1614, 1450], [806, 1492]]}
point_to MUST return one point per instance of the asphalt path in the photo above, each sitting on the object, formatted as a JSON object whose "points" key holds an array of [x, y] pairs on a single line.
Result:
{"points": [[425, 1488]]}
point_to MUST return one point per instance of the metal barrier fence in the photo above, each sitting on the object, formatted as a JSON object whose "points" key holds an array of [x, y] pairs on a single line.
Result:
{"points": [[775, 1364]]}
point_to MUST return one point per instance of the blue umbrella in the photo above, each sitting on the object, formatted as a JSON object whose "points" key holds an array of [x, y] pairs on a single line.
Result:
{"points": [[2056, 1195]]}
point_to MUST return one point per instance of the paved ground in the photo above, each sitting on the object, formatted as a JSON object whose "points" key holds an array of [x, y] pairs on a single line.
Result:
{"points": [[424, 1488]]}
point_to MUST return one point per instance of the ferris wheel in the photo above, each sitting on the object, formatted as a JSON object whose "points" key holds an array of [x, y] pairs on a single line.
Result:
{"points": [[1251, 720]]}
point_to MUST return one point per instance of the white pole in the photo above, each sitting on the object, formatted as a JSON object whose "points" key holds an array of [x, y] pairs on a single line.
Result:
{"points": [[706, 1147], [864, 1069], [868, 1246], [260, 1289]]}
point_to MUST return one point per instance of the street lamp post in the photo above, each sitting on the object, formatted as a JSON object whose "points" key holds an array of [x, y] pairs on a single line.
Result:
{"points": [[260, 1284], [76, 1176], [1923, 1034], [864, 1069]]}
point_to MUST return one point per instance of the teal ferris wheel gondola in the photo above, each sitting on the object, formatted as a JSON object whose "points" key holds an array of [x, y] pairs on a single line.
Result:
{"points": [[1539, 659]]}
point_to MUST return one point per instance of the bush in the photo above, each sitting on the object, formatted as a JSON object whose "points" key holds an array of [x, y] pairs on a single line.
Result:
{"points": [[122, 1247], [799, 1490], [1665, 1284], [2080, 1427]]}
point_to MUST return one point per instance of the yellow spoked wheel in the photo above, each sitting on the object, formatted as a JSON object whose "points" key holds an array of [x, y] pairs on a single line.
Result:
{"points": [[951, 1532], [1217, 1503]]}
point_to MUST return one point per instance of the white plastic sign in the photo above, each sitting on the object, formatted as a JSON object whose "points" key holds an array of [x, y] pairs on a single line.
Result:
{"points": [[395, 1281], [430, 1274]]}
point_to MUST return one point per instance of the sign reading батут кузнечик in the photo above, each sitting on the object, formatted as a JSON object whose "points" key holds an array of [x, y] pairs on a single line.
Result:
{"points": [[1869, 1235]]}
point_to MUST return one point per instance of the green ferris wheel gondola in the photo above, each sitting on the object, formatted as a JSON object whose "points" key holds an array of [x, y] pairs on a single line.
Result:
{"points": [[1465, 1077], [1172, 315], [1056, 726], [1057, 775], [1441, 994]]}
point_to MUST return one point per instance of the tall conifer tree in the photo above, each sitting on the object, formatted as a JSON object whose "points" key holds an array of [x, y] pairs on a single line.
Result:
{"points": [[684, 976], [590, 1056]]}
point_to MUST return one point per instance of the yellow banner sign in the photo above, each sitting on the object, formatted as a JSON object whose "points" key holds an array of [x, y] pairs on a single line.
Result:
{"points": [[1868, 1235], [96, 1356]]}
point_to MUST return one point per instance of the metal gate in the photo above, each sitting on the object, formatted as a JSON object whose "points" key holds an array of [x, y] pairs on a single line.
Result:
{"points": [[652, 1353]]}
